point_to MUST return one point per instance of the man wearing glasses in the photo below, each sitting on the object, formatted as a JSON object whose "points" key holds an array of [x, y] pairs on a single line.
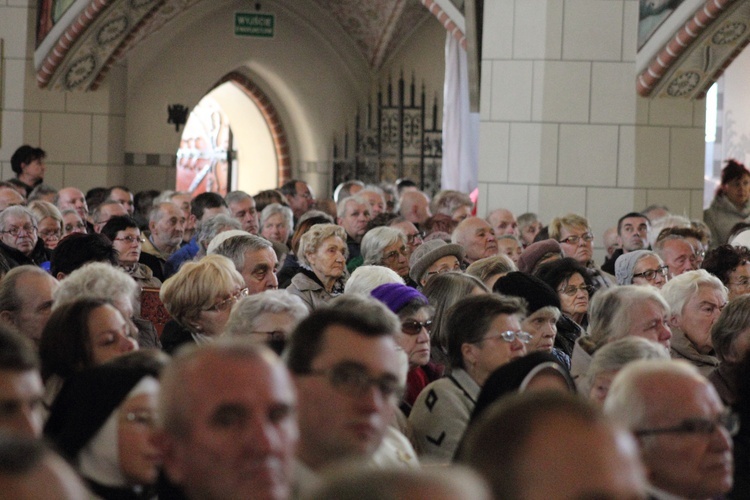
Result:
{"points": [[684, 431], [348, 376], [19, 241]]}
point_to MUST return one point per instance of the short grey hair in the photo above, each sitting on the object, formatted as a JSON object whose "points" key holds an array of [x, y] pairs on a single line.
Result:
{"points": [[733, 321], [525, 220], [343, 190], [312, 239], [236, 247], [157, 211], [315, 213], [236, 196], [610, 311], [9, 300], [208, 229], [342, 203], [483, 269], [18, 211], [614, 356], [97, 280], [366, 278], [376, 240], [246, 312], [96, 216], [448, 201], [277, 208], [680, 289]]}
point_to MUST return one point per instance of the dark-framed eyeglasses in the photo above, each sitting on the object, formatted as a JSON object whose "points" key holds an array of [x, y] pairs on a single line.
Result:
{"points": [[571, 290], [574, 240], [729, 420], [395, 254], [413, 238], [15, 231], [352, 379], [651, 273], [510, 336], [414, 327], [132, 239]]}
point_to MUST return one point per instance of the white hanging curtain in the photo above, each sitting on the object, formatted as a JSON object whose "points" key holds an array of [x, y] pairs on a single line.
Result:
{"points": [[460, 126]]}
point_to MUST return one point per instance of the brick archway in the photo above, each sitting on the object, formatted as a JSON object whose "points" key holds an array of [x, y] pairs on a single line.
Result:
{"points": [[268, 110]]}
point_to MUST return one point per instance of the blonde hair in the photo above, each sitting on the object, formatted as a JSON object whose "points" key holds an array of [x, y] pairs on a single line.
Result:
{"points": [[571, 220], [196, 285], [43, 209]]}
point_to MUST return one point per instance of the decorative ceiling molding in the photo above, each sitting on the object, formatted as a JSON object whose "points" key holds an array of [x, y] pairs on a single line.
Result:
{"points": [[699, 52], [107, 29], [90, 45]]}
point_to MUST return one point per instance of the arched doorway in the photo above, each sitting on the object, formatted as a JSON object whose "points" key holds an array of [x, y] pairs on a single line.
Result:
{"points": [[233, 140]]}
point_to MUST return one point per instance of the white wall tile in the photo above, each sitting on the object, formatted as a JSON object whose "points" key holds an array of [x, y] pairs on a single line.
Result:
{"points": [[511, 90], [512, 197], [613, 93], [37, 99], [67, 137], [605, 206], [485, 92], [482, 200], [641, 110], [644, 157], [13, 26], [498, 42], [537, 32], [31, 128], [561, 91], [54, 174], [687, 150], [588, 155], [139, 178], [95, 102], [100, 139], [533, 153], [696, 204], [493, 152], [13, 84], [666, 111], [552, 201], [678, 200], [85, 177], [699, 113], [116, 149], [630, 31], [592, 30], [12, 132]]}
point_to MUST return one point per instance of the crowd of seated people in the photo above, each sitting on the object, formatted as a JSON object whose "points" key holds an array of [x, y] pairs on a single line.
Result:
{"points": [[385, 343]]}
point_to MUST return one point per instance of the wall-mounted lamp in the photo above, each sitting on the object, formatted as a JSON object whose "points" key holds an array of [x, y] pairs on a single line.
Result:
{"points": [[178, 114]]}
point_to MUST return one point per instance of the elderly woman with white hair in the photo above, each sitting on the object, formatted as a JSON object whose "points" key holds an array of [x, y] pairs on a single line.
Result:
{"points": [[695, 299], [322, 255], [268, 317], [616, 313], [276, 223], [386, 246], [365, 279], [641, 267]]}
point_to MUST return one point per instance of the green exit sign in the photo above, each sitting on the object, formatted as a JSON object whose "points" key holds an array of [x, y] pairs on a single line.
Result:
{"points": [[254, 24]]}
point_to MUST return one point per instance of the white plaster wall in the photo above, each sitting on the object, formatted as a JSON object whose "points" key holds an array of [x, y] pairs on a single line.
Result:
{"points": [[562, 129]]}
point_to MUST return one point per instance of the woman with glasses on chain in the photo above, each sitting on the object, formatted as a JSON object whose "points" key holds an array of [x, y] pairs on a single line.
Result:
{"points": [[199, 297], [126, 239], [642, 267], [484, 333], [732, 266]]}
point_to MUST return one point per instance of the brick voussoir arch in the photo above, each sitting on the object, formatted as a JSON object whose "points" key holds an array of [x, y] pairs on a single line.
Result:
{"points": [[268, 110]]}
